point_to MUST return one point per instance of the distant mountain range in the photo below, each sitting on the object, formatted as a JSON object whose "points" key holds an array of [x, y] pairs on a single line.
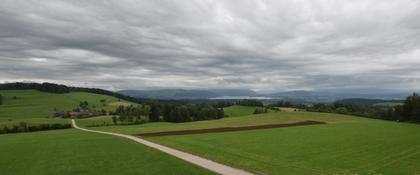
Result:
{"points": [[330, 96], [297, 96], [170, 94], [377, 102], [187, 94]]}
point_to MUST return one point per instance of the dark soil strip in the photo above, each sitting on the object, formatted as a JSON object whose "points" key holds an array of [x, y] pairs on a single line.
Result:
{"points": [[227, 129]]}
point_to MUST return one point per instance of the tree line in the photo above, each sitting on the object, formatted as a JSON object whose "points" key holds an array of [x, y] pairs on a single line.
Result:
{"points": [[250, 103], [59, 88], [24, 127], [45, 87], [155, 111], [409, 111], [190, 112], [166, 112], [131, 114]]}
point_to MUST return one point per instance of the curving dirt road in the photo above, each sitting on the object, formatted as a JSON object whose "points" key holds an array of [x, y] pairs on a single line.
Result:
{"points": [[202, 162]]}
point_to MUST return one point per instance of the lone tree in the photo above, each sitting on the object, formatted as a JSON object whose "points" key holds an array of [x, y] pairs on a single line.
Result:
{"points": [[114, 120]]}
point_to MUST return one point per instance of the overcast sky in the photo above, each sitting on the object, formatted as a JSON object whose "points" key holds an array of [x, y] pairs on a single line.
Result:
{"points": [[261, 45]]}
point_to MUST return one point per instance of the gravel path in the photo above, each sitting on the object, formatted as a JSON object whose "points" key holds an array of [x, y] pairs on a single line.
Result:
{"points": [[202, 162]]}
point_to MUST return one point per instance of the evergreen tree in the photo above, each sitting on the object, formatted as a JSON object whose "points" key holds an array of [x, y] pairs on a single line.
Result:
{"points": [[114, 120], [220, 113], [154, 113], [167, 113], [411, 108]]}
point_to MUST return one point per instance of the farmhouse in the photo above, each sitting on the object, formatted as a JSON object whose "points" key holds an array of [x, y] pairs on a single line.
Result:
{"points": [[84, 114], [81, 114]]}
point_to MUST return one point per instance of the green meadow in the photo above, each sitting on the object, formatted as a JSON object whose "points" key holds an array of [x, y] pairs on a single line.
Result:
{"points": [[70, 151], [236, 110], [357, 147], [23, 104], [346, 145], [249, 120]]}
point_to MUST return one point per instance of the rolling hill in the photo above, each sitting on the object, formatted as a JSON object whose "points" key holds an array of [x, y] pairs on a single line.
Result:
{"points": [[334, 95], [298, 96], [362, 101], [22, 104], [170, 94], [178, 94]]}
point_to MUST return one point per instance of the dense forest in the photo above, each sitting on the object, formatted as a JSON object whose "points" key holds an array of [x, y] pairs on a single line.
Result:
{"points": [[131, 114], [167, 112]]}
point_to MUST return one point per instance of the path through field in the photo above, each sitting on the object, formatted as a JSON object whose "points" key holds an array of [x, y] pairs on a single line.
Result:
{"points": [[202, 162]]}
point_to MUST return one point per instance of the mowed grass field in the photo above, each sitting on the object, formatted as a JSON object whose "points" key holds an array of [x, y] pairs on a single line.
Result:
{"points": [[346, 145], [70, 151], [236, 110], [249, 120], [36, 104], [359, 146]]}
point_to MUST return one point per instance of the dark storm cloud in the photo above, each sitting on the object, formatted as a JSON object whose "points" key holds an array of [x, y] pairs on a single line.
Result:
{"points": [[262, 45]]}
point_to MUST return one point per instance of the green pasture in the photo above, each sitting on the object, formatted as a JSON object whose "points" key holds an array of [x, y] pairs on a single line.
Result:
{"points": [[68, 152], [36, 104], [358, 147], [259, 119], [236, 110]]}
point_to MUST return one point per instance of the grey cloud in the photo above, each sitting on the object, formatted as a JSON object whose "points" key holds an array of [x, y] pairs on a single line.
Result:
{"points": [[261, 44]]}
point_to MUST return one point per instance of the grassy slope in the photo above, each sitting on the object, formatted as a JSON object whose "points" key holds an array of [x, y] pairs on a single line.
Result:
{"points": [[76, 152], [36, 104], [236, 110], [286, 109], [260, 119], [358, 147], [106, 119]]}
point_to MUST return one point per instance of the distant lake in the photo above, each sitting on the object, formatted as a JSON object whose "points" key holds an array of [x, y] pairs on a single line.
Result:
{"points": [[240, 97]]}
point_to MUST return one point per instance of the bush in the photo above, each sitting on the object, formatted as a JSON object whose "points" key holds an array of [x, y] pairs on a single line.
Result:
{"points": [[341, 110], [24, 127], [260, 110]]}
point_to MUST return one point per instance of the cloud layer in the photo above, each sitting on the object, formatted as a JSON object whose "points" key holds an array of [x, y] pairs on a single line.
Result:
{"points": [[261, 45]]}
